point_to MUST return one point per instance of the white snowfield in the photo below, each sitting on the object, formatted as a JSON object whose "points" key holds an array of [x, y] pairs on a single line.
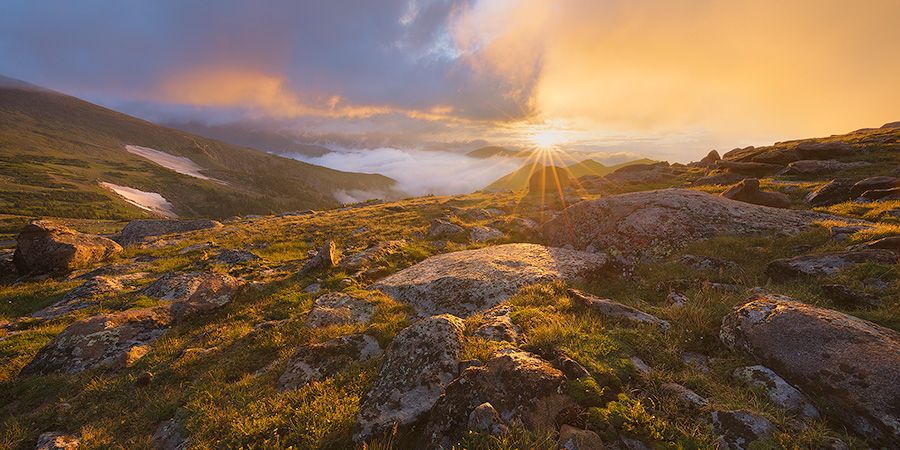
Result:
{"points": [[149, 201], [177, 163]]}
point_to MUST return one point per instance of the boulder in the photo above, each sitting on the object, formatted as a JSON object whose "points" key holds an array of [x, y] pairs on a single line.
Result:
{"points": [[485, 418], [684, 395], [328, 256], [442, 229], [836, 191], [138, 230], [419, 363], [779, 156], [817, 167], [464, 282], [826, 264], [364, 259], [45, 247], [652, 223], [614, 310], [748, 168], [722, 179], [522, 388], [79, 297], [98, 340], [741, 428], [484, 234], [338, 308], [194, 293], [496, 325], [848, 364], [848, 298], [548, 180], [571, 438], [57, 441], [316, 361], [748, 191], [882, 194], [779, 391], [824, 150], [873, 183], [234, 257]]}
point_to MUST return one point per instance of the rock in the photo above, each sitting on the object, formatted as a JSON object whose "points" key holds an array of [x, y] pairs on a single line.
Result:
{"points": [[116, 270], [741, 428], [364, 259], [684, 395], [419, 363], [337, 308], [483, 234], [779, 391], [640, 365], [699, 263], [234, 257], [329, 256], [839, 233], [846, 297], [699, 362], [816, 167], [570, 368], [748, 168], [826, 264], [316, 361], [520, 386], [442, 229], [57, 441], [873, 183], [464, 282], [314, 288], [875, 284], [676, 298], [850, 365], [143, 380], [613, 309], [548, 180], [195, 293], [882, 194], [824, 150], [652, 223], [485, 418], [836, 191], [168, 436], [78, 298], [748, 191], [741, 153], [138, 230], [722, 179], [45, 247], [98, 340], [780, 156], [496, 325], [571, 438]]}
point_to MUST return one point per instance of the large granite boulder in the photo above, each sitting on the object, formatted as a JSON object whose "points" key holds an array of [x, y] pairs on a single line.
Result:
{"points": [[194, 293], [316, 361], [522, 388], [849, 364], [139, 230], [654, 222], [45, 247], [419, 363], [461, 283], [826, 264]]}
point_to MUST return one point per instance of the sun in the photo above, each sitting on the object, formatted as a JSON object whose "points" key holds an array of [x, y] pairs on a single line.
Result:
{"points": [[546, 136]]}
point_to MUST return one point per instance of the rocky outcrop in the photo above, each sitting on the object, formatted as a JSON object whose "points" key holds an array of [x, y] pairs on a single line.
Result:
{"points": [[442, 229], [419, 363], [316, 361], [779, 391], [748, 168], [139, 230], [364, 259], [652, 223], [826, 264], [849, 364], [79, 297], [46, 247], [521, 387], [722, 179], [614, 310], [463, 282], [739, 429], [748, 191], [195, 293], [328, 256], [484, 234], [824, 150], [836, 191], [496, 325], [338, 308], [817, 167], [873, 183]]}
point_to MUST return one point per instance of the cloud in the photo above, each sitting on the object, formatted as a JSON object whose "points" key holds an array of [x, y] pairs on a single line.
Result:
{"points": [[419, 172]]}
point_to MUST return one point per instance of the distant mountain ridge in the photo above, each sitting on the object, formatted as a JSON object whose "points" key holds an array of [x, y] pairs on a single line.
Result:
{"points": [[519, 178], [495, 151], [55, 149]]}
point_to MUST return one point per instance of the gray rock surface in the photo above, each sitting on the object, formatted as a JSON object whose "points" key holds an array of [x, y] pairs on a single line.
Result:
{"points": [[328, 256], [138, 230], [338, 308], [836, 191], [420, 362], [79, 297], [496, 325], [684, 395], [483, 234], [45, 247], [194, 293], [316, 361], [779, 391], [655, 222], [364, 259], [748, 191], [463, 282], [571, 438], [849, 364], [57, 441], [442, 229], [826, 264], [741, 428], [614, 310], [818, 167]]}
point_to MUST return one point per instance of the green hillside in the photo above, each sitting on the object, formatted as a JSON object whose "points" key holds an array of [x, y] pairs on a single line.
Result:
{"points": [[54, 149], [519, 179]]}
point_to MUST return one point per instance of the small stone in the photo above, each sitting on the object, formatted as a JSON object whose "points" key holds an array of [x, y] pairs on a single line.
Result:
{"points": [[143, 380], [613, 309], [741, 428], [684, 395], [570, 368], [442, 229], [676, 298], [314, 288], [640, 365], [486, 418], [57, 441], [328, 257], [571, 438]]}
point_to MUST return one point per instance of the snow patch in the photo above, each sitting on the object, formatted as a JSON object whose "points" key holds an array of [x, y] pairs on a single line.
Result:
{"points": [[179, 164], [149, 201]]}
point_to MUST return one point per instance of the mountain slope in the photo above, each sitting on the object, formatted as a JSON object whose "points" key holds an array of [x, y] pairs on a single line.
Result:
{"points": [[519, 179], [54, 149], [494, 151]]}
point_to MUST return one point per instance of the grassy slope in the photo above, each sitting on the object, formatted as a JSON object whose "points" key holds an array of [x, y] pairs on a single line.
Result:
{"points": [[53, 148], [519, 179]]}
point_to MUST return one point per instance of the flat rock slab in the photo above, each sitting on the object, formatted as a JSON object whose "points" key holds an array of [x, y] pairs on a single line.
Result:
{"points": [[849, 364], [338, 308], [45, 247], [79, 297], [464, 282], [652, 223], [364, 259], [826, 264], [419, 363], [315, 361], [138, 230]]}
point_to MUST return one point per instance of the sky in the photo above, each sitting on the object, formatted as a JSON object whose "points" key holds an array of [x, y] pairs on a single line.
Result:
{"points": [[668, 80]]}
